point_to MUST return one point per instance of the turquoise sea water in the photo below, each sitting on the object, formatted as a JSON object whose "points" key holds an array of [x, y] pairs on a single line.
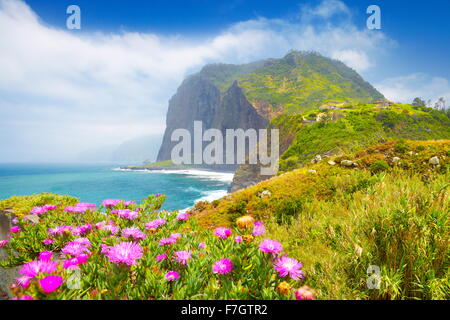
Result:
{"points": [[96, 182]]}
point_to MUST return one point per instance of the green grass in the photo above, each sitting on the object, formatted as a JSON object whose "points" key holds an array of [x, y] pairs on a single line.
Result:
{"points": [[339, 221]]}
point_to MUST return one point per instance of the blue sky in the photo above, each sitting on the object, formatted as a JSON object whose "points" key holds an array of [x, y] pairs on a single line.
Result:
{"points": [[72, 90]]}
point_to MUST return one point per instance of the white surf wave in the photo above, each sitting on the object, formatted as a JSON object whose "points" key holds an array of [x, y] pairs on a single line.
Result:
{"points": [[226, 177], [209, 196]]}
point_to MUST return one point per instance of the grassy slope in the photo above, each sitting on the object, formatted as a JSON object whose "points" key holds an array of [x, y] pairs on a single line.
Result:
{"points": [[338, 221], [295, 83]]}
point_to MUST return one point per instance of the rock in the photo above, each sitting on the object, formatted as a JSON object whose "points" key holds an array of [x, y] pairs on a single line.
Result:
{"points": [[434, 161], [317, 159], [312, 171], [410, 153], [265, 194], [395, 159], [331, 162], [347, 163]]}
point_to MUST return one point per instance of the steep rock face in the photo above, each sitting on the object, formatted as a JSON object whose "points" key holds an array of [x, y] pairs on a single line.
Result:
{"points": [[199, 99], [196, 99]]}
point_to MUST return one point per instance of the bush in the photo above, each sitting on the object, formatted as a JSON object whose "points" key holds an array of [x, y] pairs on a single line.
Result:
{"points": [[379, 166]]}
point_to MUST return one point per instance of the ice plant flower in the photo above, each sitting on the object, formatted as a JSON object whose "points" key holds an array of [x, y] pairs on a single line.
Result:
{"points": [[172, 275], [38, 211], [289, 267], [202, 245], [126, 213], [50, 207], [222, 232], [125, 252], [75, 209], [24, 281], [245, 222], [129, 203], [161, 257], [3, 243], [182, 256], [175, 236], [304, 293], [26, 297], [238, 239], [86, 205], [48, 241], [81, 229], [222, 266], [134, 233], [166, 241], [111, 203], [33, 268], [270, 246], [15, 221], [259, 229], [77, 247], [108, 226], [50, 283], [14, 229], [154, 224], [183, 216], [75, 262], [45, 255]]}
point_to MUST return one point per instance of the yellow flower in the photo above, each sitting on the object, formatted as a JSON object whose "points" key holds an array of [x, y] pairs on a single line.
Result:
{"points": [[284, 288], [245, 222], [248, 238]]}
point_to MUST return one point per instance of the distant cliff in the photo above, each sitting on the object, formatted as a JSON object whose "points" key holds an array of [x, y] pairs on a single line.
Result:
{"points": [[226, 96]]}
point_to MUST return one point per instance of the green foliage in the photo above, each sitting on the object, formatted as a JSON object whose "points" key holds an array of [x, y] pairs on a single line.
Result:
{"points": [[379, 166]]}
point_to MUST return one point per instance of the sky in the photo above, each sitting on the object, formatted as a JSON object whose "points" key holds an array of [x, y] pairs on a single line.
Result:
{"points": [[65, 91]]}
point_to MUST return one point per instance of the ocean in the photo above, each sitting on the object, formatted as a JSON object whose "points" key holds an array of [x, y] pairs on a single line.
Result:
{"points": [[96, 182]]}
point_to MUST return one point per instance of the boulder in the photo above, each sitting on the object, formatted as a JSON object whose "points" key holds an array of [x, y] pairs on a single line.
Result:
{"points": [[434, 161], [331, 162], [265, 194], [347, 163]]}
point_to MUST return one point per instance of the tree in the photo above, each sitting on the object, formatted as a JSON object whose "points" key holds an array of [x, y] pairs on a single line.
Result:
{"points": [[418, 102]]}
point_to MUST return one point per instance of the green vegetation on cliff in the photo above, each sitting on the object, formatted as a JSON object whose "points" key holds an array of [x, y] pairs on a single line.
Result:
{"points": [[298, 82]]}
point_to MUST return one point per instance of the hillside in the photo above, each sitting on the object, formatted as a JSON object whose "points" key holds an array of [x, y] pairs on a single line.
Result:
{"points": [[247, 96], [345, 129], [387, 205]]}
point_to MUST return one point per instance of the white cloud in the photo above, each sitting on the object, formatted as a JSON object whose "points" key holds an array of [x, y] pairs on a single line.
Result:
{"points": [[406, 88], [64, 91]]}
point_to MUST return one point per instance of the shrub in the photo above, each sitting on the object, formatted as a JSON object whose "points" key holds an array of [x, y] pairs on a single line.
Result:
{"points": [[379, 166]]}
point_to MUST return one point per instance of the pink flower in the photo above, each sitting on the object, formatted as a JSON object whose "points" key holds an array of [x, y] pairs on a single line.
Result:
{"points": [[45, 255], [202, 245], [14, 229], [50, 283], [48, 241], [33, 268], [76, 248], [86, 205], [15, 221], [172, 275], [125, 252], [222, 266], [175, 236], [76, 209], [133, 232], [129, 203], [75, 262], [3, 243], [24, 281], [270, 246], [50, 207], [111, 202], [81, 229], [238, 239], [258, 228], [183, 216], [23, 298], [108, 226], [182, 256], [155, 223], [161, 257], [304, 293], [60, 230], [166, 241], [38, 210], [289, 266], [222, 232], [127, 214]]}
